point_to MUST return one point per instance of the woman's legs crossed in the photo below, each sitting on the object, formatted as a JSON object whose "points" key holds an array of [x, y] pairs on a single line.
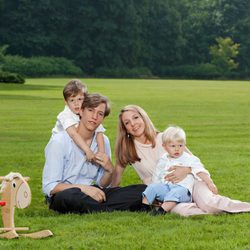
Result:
{"points": [[215, 204]]}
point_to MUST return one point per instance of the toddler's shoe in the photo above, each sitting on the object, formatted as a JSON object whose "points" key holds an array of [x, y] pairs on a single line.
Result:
{"points": [[159, 211]]}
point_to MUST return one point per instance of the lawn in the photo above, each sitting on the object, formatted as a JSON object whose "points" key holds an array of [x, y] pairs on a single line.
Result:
{"points": [[215, 115]]}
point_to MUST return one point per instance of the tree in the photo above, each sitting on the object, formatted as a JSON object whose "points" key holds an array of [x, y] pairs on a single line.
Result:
{"points": [[2, 54], [223, 55]]}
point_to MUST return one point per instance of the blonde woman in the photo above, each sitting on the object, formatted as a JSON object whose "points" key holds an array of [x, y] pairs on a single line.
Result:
{"points": [[139, 144]]}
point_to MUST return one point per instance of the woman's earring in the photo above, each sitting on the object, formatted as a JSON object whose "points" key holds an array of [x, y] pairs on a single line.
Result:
{"points": [[128, 135]]}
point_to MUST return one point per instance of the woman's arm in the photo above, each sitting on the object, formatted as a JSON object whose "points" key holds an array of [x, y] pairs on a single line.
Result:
{"points": [[178, 174], [117, 175], [206, 178]]}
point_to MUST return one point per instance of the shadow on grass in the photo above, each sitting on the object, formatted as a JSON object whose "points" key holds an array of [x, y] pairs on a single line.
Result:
{"points": [[26, 88], [16, 87], [25, 97]]}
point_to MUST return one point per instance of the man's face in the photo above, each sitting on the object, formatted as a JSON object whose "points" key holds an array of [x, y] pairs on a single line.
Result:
{"points": [[91, 118]]}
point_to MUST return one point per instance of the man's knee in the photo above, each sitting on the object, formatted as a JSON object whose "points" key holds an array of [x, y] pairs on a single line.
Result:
{"points": [[68, 201]]}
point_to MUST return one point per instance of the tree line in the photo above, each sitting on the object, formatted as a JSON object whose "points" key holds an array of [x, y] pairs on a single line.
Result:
{"points": [[108, 36]]}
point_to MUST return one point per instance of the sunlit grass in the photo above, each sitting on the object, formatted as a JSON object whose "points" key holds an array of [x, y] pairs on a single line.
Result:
{"points": [[215, 115]]}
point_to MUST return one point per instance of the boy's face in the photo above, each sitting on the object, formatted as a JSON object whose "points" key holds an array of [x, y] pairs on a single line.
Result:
{"points": [[174, 148], [75, 103]]}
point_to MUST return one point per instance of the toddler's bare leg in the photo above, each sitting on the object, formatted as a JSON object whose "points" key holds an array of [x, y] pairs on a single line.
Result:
{"points": [[145, 201], [168, 205]]}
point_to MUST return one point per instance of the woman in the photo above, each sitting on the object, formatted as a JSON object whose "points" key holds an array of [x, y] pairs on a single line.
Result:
{"points": [[139, 144]]}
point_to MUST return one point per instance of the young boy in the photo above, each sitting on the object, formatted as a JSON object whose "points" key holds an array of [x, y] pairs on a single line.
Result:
{"points": [[68, 119], [174, 142]]}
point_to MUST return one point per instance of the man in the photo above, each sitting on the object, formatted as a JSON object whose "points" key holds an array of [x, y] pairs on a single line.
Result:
{"points": [[68, 177]]}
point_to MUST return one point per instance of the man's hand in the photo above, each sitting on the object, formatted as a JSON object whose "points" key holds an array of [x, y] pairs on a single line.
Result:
{"points": [[94, 192], [104, 160], [178, 173]]}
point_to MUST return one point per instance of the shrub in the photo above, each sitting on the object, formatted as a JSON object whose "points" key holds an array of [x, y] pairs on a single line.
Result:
{"points": [[7, 77], [139, 72], [41, 66]]}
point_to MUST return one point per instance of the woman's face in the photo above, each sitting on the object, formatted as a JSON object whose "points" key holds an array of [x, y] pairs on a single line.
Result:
{"points": [[133, 123]]}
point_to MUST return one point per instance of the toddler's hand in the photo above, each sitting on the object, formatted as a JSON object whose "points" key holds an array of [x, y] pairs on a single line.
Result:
{"points": [[90, 155], [212, 187]]}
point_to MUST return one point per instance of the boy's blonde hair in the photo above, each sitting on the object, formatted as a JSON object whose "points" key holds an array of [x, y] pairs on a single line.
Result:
{"points": [[174, 133], [73, 88]]}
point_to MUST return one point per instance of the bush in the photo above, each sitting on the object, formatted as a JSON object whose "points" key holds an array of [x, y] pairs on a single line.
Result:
{"points": [[41, 66], [200, 71], [7, 77], [139, 72]]}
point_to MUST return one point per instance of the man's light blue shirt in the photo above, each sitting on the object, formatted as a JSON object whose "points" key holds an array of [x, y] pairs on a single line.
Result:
{"points": [[66, 163]]}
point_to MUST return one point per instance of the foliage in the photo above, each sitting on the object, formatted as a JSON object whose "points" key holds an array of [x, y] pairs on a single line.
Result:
{"points": [[125, 34], [200, 71], [2, 55], [223, 55], [138, 72], [41, 66], [213, 113], [7, 77]]}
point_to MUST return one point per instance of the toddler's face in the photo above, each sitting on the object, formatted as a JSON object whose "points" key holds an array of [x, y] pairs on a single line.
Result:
{"points": [[174, 148], [75, 103]]}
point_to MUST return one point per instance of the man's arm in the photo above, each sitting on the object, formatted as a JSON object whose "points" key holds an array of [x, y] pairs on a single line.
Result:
{"points": [[53, 168], [94, 192]]}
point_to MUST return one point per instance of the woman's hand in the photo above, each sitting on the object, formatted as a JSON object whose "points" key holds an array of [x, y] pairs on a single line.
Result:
{"points": [[212, 187], [178, 173]]}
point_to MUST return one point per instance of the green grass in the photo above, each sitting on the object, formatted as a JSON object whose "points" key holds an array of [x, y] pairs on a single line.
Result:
{"points": [[215, 115]]}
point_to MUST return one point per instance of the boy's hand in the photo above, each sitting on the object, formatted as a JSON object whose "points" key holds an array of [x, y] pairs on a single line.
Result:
{"points": [[212, 187], [90, 155]]}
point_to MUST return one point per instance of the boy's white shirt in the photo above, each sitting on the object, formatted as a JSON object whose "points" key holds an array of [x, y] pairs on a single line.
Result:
{"points": [[66, 119], [185, 160]]}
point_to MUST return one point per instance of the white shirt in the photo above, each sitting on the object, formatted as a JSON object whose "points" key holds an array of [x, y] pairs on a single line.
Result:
{"points": [[65, 162], [185, 160], [66, 119]]}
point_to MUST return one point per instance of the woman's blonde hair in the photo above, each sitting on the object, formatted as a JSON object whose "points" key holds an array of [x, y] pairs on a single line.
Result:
{"points": [[125, 147]]}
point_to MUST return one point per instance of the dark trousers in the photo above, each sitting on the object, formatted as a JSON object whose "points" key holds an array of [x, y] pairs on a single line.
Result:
{"points": [[118, 198]]}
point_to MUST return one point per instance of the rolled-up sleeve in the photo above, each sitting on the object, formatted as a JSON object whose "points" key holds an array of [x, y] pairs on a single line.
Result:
{"points": [[53, 170], [100, 129], [197, 167], [67, 120]]}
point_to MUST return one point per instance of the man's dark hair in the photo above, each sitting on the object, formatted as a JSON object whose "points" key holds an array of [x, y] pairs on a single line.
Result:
{"points": [[94, 100]]}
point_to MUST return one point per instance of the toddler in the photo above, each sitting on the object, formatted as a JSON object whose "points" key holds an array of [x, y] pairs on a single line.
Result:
{"points": [[69, 118], [174, 142]]}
